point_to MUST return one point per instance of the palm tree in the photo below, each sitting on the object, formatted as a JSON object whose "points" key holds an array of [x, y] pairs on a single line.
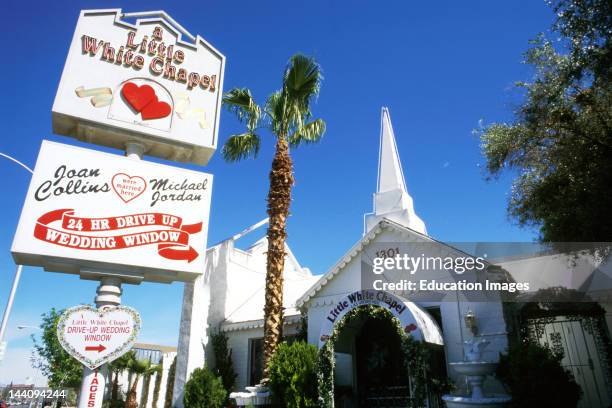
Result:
{"points": [[287, 115], [137, 369], [117, 367], [153, 369]]}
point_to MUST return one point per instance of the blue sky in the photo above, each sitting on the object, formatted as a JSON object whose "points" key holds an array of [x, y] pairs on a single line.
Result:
{"points": [[440, 67]]}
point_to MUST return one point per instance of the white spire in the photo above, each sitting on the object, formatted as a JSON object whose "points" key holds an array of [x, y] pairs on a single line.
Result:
{"points": [[391, 199], [390, 174]]}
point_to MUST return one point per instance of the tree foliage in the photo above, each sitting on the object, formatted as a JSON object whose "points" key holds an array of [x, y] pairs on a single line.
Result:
{"points": [[51, 359], [204, 389], [116, 367], [293, 375], [224, 366], [560, 143], [535, 378], [286, 113], [139, 368]]}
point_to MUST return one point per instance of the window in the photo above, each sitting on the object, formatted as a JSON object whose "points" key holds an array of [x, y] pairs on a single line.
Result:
{"points": [[255, 361], [256, 358]]}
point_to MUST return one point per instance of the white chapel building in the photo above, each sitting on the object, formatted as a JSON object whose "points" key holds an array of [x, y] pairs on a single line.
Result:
{"points": [[230, 295]]}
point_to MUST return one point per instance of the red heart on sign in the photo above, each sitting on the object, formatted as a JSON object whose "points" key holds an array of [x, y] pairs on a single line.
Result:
{"points": [[155, 110], [128, 187], [138, 96]]}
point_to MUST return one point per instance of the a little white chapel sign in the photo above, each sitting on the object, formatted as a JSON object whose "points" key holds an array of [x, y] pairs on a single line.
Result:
{"points": [[147, 79]]}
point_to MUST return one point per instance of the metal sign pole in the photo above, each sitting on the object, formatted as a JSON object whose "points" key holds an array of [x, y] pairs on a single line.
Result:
{"points": [[108, 295], [9, 303]]}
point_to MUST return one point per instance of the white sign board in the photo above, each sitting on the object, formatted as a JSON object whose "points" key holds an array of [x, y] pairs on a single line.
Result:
{"points": [[149, 80], [91, 211], [95, 336]]}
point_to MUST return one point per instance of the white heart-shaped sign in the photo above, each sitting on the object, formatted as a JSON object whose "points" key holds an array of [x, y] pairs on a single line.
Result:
{"points": [[128, 187], [96, 336]]}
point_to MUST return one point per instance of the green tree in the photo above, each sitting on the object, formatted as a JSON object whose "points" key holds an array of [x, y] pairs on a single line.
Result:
{"points": [[204, 389], [560, 143], [153, 370], [535, 378], [51, 359], [286, 114], [293, 375], [157, 386], [224, 366], [138, 368], [115, 368]]}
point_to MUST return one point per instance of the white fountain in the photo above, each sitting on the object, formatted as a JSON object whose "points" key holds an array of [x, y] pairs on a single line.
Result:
{"points": [[255, 396], [475, 369]]}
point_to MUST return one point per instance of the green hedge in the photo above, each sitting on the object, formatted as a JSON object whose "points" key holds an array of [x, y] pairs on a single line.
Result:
{"points": [[535, 378], [293, 378], [204, 389]]}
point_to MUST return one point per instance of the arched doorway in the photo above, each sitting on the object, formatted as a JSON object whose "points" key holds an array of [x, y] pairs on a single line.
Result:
{"points": [[380, 372], [389, 363]]}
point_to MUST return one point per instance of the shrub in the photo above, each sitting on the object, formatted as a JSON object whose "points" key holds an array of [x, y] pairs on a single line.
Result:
{"points": [[293, 378], [224, 367], [204, 389], [535, 378]]}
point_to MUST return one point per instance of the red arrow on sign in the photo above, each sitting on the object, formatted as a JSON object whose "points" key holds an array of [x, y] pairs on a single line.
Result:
{"points": [[98, 348], [178, 254]]}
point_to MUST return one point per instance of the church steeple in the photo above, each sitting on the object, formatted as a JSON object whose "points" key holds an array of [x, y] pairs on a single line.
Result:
{"points": [[391, 199]]}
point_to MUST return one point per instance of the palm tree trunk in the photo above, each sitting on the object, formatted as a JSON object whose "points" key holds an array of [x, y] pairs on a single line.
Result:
{"points": [[145, 390], [115, 388], [131, 398], [279, 200]]}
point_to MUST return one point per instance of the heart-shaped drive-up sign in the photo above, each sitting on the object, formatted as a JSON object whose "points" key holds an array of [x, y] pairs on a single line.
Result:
{"points": [[95, 336], [128, 187], [144, 100]]}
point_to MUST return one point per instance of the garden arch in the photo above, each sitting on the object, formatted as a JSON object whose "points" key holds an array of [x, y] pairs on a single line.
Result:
{"points": [[414, 326]]}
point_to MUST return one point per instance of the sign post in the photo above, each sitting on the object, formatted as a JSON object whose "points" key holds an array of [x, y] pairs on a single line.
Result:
{"points": [[92, 389], [97, 336], [138, 82]]}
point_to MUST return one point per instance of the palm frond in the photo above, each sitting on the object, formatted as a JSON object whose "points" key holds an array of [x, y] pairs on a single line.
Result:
{"points": [[302, 80], [274, 110], [240, 102], [239, 147], [139, 366], [309, 133]]}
